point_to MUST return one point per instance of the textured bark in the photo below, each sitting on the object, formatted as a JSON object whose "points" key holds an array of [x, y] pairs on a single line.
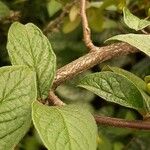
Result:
{"points": [[91, 59]]}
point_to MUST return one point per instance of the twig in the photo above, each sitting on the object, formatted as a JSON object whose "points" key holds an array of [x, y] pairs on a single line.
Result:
{"points": [[55, 24], [13, 16], [54, 100], [122, 123], [143, 31], [86, 30]]}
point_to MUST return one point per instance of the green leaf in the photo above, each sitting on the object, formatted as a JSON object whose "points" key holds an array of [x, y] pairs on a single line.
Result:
{"points": [[96, 19], [74, 12], [134, 22], [68, 127], [147, 80], [114, 88], [148, 12], [135, 79], [138, 82], [95, 4], [69, 26], [140, 41], [101, 5], [121, 4], [17, 92], [146, 97], [53, 6], [28, 46], [4, 10]]}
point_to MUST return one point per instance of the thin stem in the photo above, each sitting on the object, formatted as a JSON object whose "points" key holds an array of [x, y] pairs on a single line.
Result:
{"points": [[143, 31], [86, 30], [13, 16], [122, 123], [55, 24], [54, 100]]}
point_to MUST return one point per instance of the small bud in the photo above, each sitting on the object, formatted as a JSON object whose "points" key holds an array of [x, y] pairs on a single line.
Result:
{"points": [[148, 88]]}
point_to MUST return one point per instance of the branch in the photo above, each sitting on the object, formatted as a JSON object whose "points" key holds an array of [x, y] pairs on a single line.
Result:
{"points": [[86, 29], [91, 59], [122, 123]]}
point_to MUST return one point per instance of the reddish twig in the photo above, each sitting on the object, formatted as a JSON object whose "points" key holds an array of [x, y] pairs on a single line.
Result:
{"points": [[122, 123]]}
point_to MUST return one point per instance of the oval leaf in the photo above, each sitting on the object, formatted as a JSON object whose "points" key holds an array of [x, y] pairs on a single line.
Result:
{"points": [[28, 46], [53, 7], [138, 82], [134, 22], [140, 41], [17, 92], [74, 12], [69, 26], [114, 88], [67, 127], [96, 19], [135, 79]]}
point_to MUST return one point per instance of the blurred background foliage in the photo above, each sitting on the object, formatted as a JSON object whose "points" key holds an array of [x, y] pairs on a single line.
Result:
{"points": [[60, 21]]}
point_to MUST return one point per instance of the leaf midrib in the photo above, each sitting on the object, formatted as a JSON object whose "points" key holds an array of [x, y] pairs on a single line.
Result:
{"points": [[34, 65], [65, 126]]}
